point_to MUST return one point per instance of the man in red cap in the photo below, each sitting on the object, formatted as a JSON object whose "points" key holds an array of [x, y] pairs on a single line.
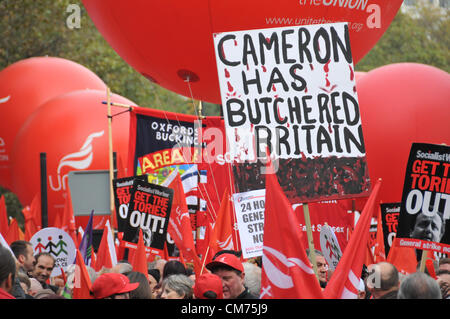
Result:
{"points": [[113, 286], [208, 286], [229, 268]]}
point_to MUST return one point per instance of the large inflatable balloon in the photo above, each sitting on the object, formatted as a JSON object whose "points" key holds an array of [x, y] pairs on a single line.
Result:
{"points": [[27, 84], [72, 129], [401, 104], [171, 42]]}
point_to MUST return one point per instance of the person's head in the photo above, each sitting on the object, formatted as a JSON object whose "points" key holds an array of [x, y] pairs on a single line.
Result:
{"points": [[229, 268], [112, 286], [238, 254], [153, 279], [430, 228], [208, 286], [24, 281], [143, 291], [419, 285], [444, 264], [123, 268], [23, 250], [252, 278], [159, 265], [322, 265], [177, 286], [44, 267], [173, 267], [443, 279], [7, 269], [382, 279], [73, 274], [44, 294], [35, 287]]}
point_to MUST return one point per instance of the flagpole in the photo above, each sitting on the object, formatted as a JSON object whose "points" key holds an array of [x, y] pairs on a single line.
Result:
{"points": [[204, 260], [110, 154], [200, 132], [312, 250]]}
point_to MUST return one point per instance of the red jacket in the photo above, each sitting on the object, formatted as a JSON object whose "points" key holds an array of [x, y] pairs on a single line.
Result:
{"points": [[5, 295]]}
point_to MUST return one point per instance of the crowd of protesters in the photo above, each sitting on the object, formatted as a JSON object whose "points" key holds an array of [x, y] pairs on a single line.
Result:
{"points": [[27, 276]]}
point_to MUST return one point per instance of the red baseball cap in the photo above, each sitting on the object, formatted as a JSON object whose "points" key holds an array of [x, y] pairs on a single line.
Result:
{"points": [[208, 282], [110, 284], [229, 260]]}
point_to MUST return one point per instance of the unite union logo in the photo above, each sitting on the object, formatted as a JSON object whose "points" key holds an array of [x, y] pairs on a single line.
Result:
{"points": [[79, 160]]}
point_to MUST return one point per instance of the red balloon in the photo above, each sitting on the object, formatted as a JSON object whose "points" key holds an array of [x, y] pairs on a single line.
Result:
{"points": [[401, 104], [170, 41], [359, 75], [24, 86], [73, 130]]}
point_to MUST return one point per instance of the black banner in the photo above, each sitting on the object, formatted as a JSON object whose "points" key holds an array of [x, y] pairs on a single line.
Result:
{"points": [[425, 207], [149, 210], [389, 215], [122, 194]]}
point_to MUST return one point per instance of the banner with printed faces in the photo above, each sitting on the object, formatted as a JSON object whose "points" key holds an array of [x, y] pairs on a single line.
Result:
{"points": [[425, 206], [148, 210], [249, 208], [292, 89]]}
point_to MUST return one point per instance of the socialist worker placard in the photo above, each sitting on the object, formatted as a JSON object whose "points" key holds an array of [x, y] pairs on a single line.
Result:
{"points": [[149, 211], [425, 206]]}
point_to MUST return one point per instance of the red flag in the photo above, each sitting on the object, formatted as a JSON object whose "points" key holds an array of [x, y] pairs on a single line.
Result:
{"points": [[369, 260], [82, 284], [179, 227], [106, 253], [140, 256], [93, 261], [345, 280], [403, 258], [14, 232], [35, 210], [379, 253], [32, 215], [286, 270], [4, 225], [221, 236], [66, 220]]}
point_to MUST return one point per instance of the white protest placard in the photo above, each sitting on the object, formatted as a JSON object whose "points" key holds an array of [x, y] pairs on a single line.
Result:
{"points": [[292, 89], [329, 246], [57, 243], [249, 207]]}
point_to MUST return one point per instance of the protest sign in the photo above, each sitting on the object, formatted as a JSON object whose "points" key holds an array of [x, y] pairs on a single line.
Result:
{"points": [[249, 208], [329, 246], [149, 210], [425, 206], [161, 140], [389, 215], [292, 89], [122, 194], [57, 243], [336, 214]]}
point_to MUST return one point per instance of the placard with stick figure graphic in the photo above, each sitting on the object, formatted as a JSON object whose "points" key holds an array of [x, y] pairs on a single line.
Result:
{"points": [[57, 243]]}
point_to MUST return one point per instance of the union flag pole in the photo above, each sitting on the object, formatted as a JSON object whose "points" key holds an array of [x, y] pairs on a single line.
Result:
{"points": [[110, 155]]}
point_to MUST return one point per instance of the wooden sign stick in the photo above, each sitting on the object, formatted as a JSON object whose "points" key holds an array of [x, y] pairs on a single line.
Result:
{"points": [[312, 250], [423, 260]]}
